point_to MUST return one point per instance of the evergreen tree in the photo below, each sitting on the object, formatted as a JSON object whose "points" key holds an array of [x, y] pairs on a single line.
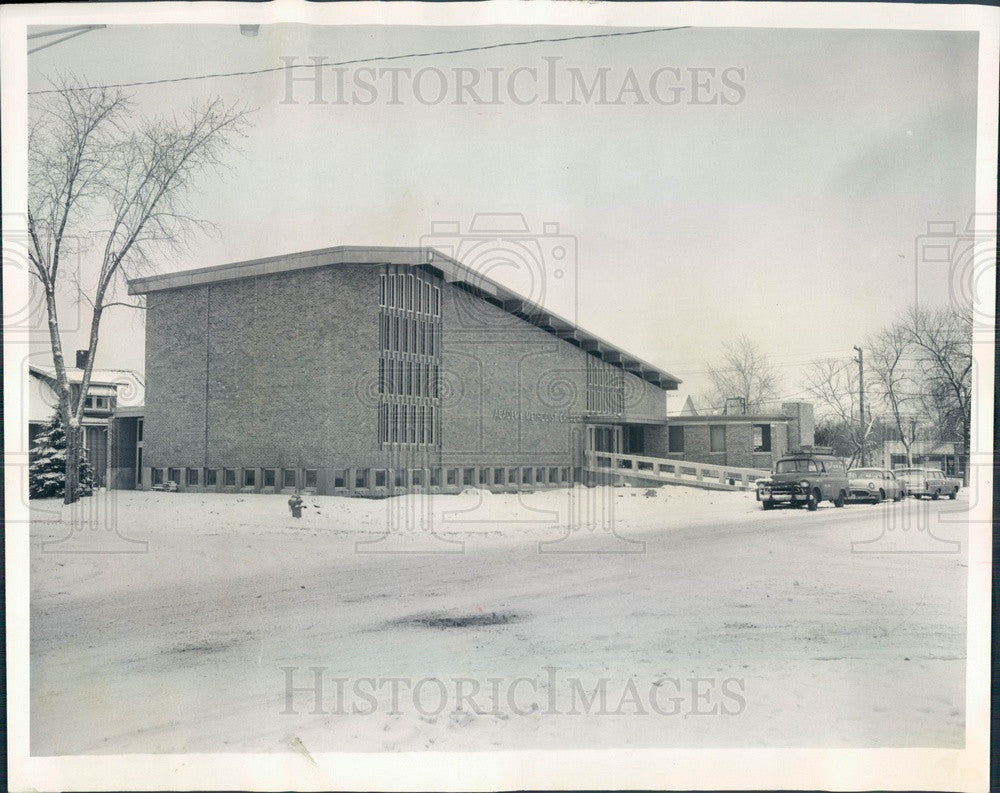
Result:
{"points": [[47, 472]]}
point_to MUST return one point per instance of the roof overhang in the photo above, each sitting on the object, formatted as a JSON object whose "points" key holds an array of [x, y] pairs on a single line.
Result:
{"points": [[448, 269]]}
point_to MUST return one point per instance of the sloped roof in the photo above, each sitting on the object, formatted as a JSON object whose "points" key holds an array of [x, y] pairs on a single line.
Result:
{"points": [[131, 383], [425, 258]]}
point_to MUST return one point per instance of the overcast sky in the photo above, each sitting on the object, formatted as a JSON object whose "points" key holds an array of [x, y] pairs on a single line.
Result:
{"points": [[788, 210]]}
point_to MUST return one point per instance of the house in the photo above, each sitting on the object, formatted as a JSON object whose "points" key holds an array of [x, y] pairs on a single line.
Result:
{"points": [[109, 427], [365, 371], [944, 456], [738, 439]]}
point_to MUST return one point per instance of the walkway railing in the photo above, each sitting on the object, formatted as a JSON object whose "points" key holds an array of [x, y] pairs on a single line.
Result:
{"points": [[660, 469]]}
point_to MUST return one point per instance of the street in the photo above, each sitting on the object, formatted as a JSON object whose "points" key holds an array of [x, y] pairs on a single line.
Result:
{"points": [[728, 627]]}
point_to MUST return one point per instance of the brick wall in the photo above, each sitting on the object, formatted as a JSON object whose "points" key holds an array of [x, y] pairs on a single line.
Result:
{"points": [[493, 361], [739, 443], [264, 372], [281, 371]]}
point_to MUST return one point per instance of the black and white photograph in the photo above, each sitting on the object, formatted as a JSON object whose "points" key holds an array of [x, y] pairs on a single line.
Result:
{"points": [[489, 396]]}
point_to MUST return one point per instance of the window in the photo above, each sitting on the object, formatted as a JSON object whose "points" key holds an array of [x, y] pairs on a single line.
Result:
{"points": [[288, 477], [436, 302], [417, 477], [484, 476], [138, 465], [540, 476], [435, 477], [564, 474], [192, 476], [361, 478], [229, 477], [512, 476], [468, 476], [498, 476], [340, 478], [717, 439], [400, 478], [174, 475], [157, 474], [794, 466], [211, 477], [762, 437], [381, 290], [249, 477], [138, 429], [270, 477], [553, 475], [451, 476], [675, 440], [310, 477], [380, 478], [525, 476]]}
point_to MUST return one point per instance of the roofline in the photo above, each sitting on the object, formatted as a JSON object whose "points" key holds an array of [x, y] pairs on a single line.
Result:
{"points": [[719, 418], [427, 258], [52, 376]]}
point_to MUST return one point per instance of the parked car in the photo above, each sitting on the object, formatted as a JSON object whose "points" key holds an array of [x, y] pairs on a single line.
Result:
{"points": [[805, 478], [874, 485], [921, 482], [954, 484]]}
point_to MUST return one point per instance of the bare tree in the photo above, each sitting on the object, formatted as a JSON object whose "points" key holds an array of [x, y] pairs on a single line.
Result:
{"points": [[834, 386], [746, 374], [895, 382], [96, 170], [942, 341]]}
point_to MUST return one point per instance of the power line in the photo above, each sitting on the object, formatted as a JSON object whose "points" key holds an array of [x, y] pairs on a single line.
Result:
{"points": [[374, 59]]}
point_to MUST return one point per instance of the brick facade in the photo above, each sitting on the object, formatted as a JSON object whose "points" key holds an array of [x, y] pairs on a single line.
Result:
{"points": [[793, 428], [279, 373]]}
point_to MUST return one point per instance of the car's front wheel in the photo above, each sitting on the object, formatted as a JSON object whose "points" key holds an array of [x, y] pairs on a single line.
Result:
{"points": [[813, 501], [878, 497], [839, 500], [936, 496], [899, 495], [767, 504], [953, 494]]}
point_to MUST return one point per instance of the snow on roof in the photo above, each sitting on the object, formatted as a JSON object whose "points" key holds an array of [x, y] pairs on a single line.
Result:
{"points": [[129, 385], [432, 260]]}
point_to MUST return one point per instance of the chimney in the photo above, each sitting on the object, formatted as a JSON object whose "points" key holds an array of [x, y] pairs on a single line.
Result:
{"points": [[81, 359]]}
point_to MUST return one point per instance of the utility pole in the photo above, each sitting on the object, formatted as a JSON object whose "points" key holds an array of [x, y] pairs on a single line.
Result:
{"points": [[861, 388]]}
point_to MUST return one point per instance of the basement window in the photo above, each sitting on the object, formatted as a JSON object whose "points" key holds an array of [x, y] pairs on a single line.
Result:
{"points": [[249, 477], [229, 477], [192, 476], [270, 477], [310, 477], [288, 477], [211, 477]]}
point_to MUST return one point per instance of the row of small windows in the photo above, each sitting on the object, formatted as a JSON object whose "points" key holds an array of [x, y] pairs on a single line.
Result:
{"points": [[405, 292], [408, 378], [406, 423], [236, 477], [605, 388], [365, 478], [405, 334]]}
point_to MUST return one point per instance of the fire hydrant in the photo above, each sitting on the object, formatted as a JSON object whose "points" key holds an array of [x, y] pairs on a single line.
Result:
{"points": [[295, 505]]}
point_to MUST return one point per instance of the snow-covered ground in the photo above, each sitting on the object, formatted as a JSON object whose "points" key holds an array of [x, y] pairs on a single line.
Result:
{"points": [[485, 621]]}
